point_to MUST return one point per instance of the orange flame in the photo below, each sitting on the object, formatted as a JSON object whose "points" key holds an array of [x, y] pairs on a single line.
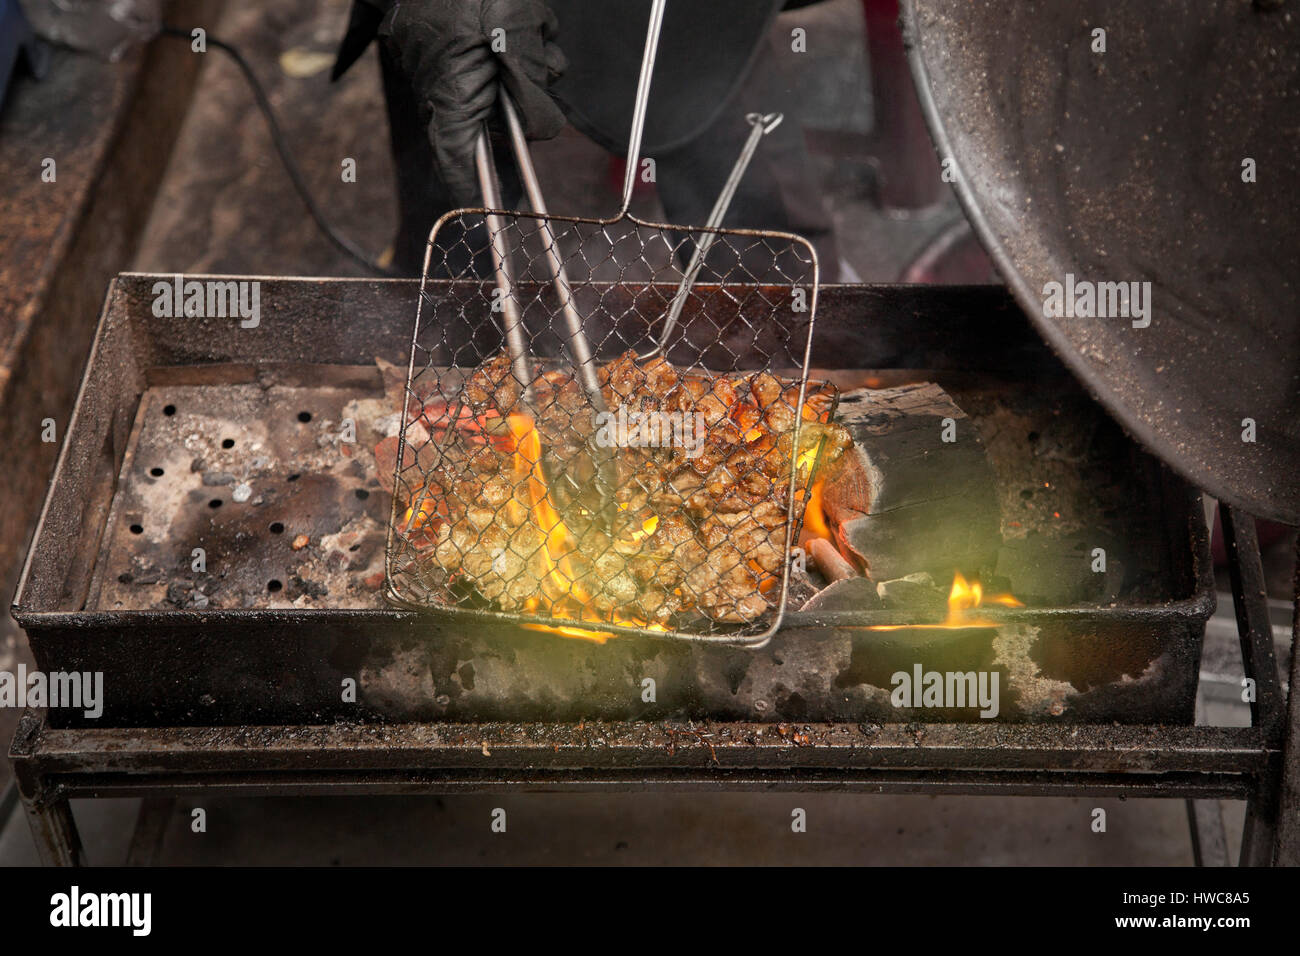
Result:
{"points": [[964, 597], [814, 515], [566, 595]]}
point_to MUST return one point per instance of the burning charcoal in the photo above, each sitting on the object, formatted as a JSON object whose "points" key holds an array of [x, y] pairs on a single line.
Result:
{"points": [[849, 594], [913, 494], [300, 542], [913, 592], [833, 565], [418, 456]]}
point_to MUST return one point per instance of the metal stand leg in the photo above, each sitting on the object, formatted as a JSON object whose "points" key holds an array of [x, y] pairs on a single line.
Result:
{"points": [[1251, 603], [1288, 822], [1205, 821], [8, 800], [1209, 839], [48, 811], [54, 831], [1261, 821]]}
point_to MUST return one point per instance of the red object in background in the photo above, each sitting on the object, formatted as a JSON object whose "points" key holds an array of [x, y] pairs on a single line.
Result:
{"points": [[909, 169], [617, 169], [1269, 532]]}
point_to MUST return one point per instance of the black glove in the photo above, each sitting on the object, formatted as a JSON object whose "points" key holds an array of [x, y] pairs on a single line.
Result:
{"points": [[446, 48]]}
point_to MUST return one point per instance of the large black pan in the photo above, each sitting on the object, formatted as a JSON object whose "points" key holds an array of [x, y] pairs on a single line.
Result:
{"points": [[1128, 165]]}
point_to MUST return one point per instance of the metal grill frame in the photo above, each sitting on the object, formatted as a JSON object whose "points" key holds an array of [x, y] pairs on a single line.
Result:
{"points": [[320, 322], [1259, 763], [397, 541]]}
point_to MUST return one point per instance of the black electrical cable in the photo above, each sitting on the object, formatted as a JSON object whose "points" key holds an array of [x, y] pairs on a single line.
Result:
{"points": [[286, 156]]}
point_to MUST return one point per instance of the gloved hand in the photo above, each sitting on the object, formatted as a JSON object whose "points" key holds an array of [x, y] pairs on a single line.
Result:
{"points": [[446, 48]]}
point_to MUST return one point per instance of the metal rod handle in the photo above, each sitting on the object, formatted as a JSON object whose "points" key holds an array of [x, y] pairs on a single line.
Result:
{"points": [[578, 346], [763, 124], [516, 336], [642, 98]]}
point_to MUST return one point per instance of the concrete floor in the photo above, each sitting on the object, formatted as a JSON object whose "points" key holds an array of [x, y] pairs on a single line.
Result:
{"points": [[226, 206], [647, 829]]}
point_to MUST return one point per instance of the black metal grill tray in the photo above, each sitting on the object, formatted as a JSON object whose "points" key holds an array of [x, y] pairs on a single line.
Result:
{"points": [[98, 594]]}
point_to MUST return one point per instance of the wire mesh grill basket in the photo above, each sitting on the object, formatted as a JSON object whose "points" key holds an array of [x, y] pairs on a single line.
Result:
{"points": [[608, 424], [497, 508]]}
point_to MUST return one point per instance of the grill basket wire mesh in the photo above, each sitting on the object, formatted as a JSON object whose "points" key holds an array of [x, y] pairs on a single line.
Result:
{"points": [[495, 512]]}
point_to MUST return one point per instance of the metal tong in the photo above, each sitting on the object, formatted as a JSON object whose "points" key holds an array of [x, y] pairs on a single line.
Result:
{"points": [[577, 345]]}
